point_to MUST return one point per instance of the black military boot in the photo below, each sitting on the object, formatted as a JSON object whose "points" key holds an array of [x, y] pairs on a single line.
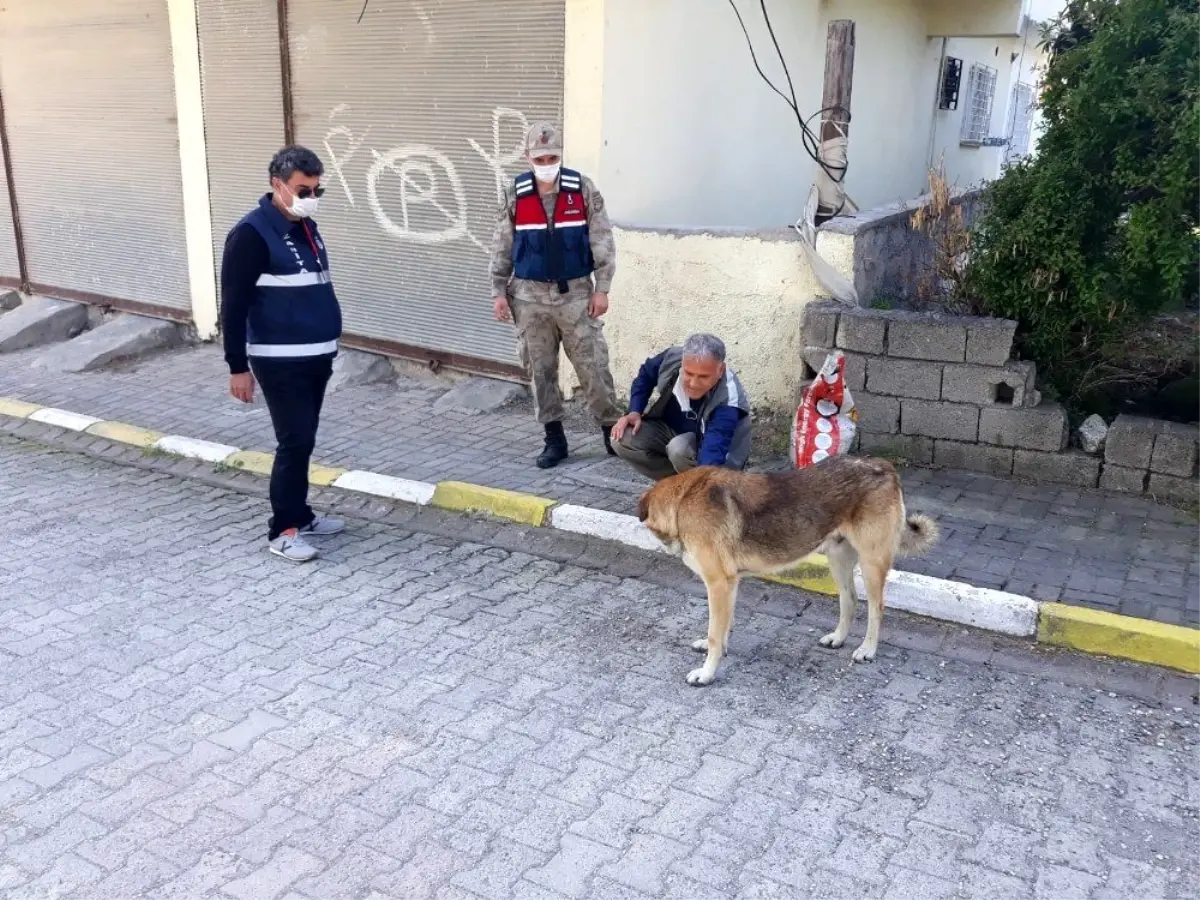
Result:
{"points": [[606, 430], [555, 450]]}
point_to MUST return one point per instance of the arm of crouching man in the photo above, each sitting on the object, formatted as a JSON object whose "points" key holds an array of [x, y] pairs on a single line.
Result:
{"points": [[501, 266], [604, 248]]}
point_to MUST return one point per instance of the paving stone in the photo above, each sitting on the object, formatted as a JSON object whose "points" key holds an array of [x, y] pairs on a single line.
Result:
{"points": [[927, 337], [860, 331], [819, 322], [904, 378]]}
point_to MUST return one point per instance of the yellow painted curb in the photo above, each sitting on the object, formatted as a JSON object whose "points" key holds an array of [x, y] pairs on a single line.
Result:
{"points": [[812, 575], [18, 409], [251, 461], [324, 476], [126, 434], [1124, 637], [462, 497]]}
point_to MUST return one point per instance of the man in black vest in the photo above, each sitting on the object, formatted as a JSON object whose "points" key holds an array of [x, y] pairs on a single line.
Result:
{"points": [[281, 320], [553, 260]]}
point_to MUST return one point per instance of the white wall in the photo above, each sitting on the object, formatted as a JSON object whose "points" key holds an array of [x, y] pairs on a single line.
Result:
{"points": [[968, 165], [892, 103], [692, 135]]}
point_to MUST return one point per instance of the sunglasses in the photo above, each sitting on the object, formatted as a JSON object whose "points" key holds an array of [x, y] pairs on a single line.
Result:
{"points": [[304, 192]]}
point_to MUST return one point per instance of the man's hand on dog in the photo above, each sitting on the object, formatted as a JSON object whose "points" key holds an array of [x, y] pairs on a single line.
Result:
{"points": [[632, 421]]}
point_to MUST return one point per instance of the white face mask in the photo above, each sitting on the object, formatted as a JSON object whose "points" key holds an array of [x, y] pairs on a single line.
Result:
{"points": [[303, 207], [547, 173]]}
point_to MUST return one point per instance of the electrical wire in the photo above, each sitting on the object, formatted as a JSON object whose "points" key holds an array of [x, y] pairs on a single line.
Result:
{"points": [[810, 141]]}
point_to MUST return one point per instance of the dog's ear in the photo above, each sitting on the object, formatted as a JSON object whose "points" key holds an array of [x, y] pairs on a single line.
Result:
{"points": [[644, 506]]}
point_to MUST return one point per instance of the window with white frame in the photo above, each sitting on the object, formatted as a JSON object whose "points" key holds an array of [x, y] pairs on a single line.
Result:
{"points": [[1020, 120], [977, 114]]}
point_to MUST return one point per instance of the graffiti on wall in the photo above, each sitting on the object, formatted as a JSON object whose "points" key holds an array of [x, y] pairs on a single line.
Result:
{"points": [[414, 191]]}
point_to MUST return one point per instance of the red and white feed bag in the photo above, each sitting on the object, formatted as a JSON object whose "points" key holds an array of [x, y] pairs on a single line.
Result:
{"points": [[826, 418]]}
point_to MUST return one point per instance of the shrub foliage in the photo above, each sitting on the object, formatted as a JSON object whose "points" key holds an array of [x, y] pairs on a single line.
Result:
{"points": [[1099, 231]]}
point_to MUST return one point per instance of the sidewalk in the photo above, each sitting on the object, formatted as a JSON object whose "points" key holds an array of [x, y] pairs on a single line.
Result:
{"points": [[1106, 551]]}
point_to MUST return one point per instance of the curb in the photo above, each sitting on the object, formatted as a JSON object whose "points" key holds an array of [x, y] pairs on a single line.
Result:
{"points": [[1076, 628]]}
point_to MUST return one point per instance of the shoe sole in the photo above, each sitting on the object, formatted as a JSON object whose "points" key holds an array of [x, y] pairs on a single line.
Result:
{"points": [[309, 534], [292, 559]]}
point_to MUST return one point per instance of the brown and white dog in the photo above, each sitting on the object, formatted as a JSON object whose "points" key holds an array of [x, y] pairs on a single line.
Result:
{"points": [[726, 524]]}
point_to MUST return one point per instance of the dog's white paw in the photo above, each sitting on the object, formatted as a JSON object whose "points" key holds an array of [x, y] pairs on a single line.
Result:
{"points": [[700, 645], [863, 654], [700, 677], [832, 640]]}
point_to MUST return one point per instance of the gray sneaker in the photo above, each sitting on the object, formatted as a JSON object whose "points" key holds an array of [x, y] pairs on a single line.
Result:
{"points": [[323, 525], [293, 548]]}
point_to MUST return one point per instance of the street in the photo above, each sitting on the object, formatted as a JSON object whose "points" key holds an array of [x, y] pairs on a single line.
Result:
{"points": [[414, 715]]}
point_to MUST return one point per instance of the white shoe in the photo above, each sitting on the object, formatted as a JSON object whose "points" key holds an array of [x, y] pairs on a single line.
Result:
{"points": [[292, 547], [322, 526]]}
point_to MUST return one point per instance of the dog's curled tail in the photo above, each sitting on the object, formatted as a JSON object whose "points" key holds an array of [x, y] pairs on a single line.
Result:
{"points": [[918, 535]]}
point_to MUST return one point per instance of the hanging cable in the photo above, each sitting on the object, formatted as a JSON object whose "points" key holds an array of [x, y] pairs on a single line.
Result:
{"points": [[810, 141]]}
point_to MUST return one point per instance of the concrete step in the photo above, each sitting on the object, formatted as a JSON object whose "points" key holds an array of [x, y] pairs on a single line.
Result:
{"points": [[479, 395], [124, 336], [39, 321]]}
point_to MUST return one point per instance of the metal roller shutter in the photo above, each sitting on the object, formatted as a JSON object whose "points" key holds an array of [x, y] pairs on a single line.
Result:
{"points": [[243, 105], [419, 112], [10, 267], [90, 104]]}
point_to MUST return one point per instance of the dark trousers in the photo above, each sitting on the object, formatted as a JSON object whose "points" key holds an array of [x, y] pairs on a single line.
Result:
{"points": [[294, 390]]}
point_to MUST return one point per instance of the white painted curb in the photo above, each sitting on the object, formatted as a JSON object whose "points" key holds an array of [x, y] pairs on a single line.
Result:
{"points": [[935, 598], [604, 524], [195, 449], [402, 489], [953, 601], [63, 419]]}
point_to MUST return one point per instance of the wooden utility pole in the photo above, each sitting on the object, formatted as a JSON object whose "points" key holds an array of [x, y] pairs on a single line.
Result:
{"points": [[835, 119]]}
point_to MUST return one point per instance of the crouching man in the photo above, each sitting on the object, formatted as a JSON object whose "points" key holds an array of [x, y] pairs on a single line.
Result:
{"points": [[701, 415]]}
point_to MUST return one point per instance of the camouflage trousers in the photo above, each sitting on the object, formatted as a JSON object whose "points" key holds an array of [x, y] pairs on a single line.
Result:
{"points": [[541, 329]]}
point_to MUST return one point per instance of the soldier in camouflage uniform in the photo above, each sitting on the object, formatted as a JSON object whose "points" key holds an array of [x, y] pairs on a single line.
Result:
{"points": [[553, 259]]}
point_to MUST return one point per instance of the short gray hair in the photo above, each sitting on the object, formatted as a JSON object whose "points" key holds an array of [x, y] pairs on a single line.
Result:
{"points": [[290, 160], [704, 346]]}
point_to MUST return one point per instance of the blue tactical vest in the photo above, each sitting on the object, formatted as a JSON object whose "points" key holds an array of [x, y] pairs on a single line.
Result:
{"points": [[295, 312], [542, 253]]}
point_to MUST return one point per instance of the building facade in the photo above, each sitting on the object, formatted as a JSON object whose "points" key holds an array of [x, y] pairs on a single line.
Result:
{"points": [[136, 132]]}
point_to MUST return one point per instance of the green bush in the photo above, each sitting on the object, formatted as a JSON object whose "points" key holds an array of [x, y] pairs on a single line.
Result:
{"points": [[1099, 231]]}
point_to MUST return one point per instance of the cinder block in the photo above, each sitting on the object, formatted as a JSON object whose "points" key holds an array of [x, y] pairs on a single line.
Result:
{"points": [[989, 341], [1122, 478], [1168, 487], [1011, 385], [1042, 428], [862, 331], [973, 457], [1072, 467], [904, 378], [1175, 448], [908, 447], [1130, 441], [937, 338], [819, 322], [948, 421], [855, 372], [879, 415]]}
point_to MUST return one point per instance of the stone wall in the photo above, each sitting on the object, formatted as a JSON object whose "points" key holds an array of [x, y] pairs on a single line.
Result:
{"points": [[944, 390], [887, 256]]}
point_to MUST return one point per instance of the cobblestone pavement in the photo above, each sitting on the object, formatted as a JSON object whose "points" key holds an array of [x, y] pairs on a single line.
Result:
{"points": [[1107, 551], [428, 715]]}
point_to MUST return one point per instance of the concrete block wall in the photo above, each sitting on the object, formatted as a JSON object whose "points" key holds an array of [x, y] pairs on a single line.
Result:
{"points": [[944, 390]]}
